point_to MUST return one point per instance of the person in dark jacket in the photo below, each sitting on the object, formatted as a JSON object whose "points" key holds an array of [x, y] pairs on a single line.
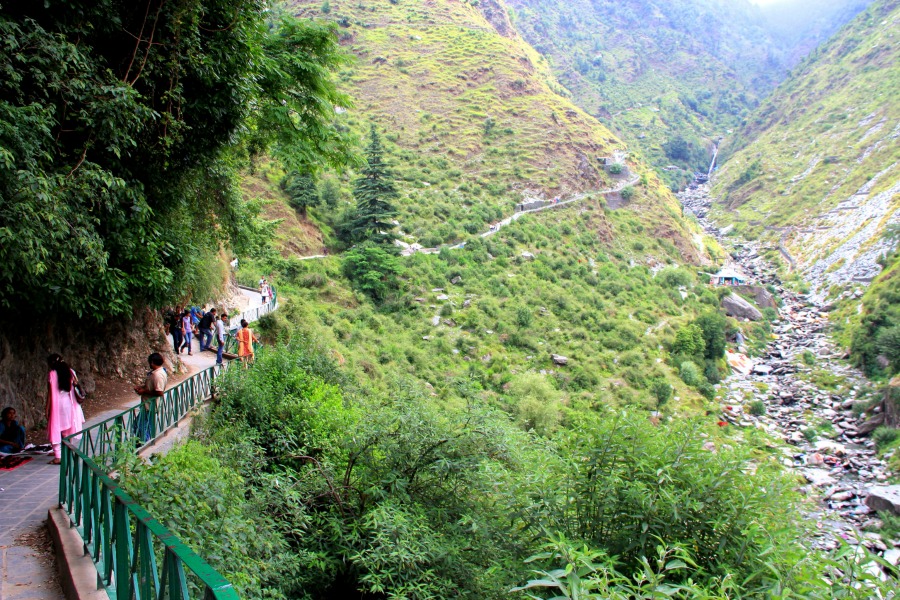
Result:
{"points": [[12, 435], [205, 327]]}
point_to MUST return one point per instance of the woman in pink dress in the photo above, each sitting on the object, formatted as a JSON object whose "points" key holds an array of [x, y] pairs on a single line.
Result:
{"points": [[64, 414]]}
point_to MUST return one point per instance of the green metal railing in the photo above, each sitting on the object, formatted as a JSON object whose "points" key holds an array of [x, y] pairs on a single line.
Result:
{"points": [[136, 557]]}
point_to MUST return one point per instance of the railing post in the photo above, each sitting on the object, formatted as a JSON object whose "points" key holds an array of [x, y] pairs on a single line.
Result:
{"points": [[122, 537]]}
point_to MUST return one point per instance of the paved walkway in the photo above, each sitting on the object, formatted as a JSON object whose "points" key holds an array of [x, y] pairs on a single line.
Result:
{"points": [[27, 561]]}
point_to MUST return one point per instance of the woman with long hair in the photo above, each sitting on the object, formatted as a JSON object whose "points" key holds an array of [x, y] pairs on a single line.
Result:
{"points": [[245, 338], [64, 414]]}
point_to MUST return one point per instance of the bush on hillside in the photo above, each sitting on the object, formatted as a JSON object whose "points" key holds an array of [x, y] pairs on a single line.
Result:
{"points": [[690, 373], [689, 341], [637, 487], [373, 269], [713, 325], [888, 343]]}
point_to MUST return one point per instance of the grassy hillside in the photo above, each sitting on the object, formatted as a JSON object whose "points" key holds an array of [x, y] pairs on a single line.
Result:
{"points": [[818, 161], [473, 122], [670, 77], [473, 116]]}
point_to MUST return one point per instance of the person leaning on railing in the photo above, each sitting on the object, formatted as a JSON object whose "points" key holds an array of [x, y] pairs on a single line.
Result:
{"points": [[154, 387]]}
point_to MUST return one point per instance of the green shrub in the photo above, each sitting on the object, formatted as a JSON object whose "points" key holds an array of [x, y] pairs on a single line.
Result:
{"points": [[373, 269], [689, 341], [885, 436], [662, 392], [713, 326], [711, 372], [690, 373], [757, 408], [675, 277], [888, 343], [537, 403], [205, 504], [637, 487], [808, 358]]}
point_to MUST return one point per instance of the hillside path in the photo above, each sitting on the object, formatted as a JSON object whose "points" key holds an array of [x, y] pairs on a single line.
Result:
{"points": [[28, 568]]}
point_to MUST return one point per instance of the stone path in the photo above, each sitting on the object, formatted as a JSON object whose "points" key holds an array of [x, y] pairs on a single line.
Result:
{"points": [[823, 433], [27, 493]]}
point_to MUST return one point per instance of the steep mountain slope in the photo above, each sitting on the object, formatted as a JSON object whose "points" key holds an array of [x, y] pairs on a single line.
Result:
{"points": [[801, 25], [818, 162], [670, 77], [473, 116]]}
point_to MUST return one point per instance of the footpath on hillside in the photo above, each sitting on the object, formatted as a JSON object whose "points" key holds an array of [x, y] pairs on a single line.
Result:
{"points": [[812, 399], [28, 569]]}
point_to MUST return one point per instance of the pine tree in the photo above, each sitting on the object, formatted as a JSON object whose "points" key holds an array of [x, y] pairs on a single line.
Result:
{"points": [[374, 190], [301, 190]]}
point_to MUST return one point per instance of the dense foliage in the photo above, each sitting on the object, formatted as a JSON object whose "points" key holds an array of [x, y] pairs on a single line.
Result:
{"points": [[346, 491], [874, 332], [121, 126]]}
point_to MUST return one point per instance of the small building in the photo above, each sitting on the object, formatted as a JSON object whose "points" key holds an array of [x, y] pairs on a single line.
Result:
{"points": [[728, 276], [532, 204]]}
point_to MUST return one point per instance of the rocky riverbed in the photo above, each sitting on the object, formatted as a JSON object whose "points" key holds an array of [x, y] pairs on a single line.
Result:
{"points": [[813, 401]]}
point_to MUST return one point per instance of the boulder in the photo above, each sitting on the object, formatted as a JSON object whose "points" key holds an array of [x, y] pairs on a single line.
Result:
{"points": [[559, 360], [884, 498], [456, 280], [760, 295], [737, 307], [870, 425]]}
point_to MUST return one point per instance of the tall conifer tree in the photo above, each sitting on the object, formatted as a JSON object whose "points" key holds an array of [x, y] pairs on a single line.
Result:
{"points": [[374, 192], [301, 190]]}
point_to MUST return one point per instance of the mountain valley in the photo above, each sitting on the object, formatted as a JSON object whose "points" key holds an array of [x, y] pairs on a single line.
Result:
{"points": [[528, 341]]}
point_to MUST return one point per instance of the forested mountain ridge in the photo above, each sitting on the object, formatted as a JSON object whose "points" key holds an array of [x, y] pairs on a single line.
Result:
{"points": [[474, 118], [671, 77], [817, 163]]}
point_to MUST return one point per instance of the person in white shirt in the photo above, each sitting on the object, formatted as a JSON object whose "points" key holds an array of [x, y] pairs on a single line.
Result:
{"points": [[221, 323]]}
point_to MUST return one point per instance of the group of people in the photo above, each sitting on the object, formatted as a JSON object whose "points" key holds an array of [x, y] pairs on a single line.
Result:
{"points": [[63, 411], [183, 324]]}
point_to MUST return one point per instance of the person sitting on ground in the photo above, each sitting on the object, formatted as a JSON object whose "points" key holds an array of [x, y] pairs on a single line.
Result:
{"points": [[245, 338], [12, 435]]}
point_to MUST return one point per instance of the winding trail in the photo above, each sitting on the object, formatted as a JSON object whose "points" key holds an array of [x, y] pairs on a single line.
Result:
{"points": [[809, 393], [410, 249]]}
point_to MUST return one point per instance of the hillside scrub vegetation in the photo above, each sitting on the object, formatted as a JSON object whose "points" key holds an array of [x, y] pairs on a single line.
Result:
{"points": [[348, 490]]}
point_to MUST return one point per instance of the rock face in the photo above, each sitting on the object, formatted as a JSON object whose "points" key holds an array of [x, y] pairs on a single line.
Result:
{"points": [[115, 349], [737, 307], [884, 498], [760, 295]]}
